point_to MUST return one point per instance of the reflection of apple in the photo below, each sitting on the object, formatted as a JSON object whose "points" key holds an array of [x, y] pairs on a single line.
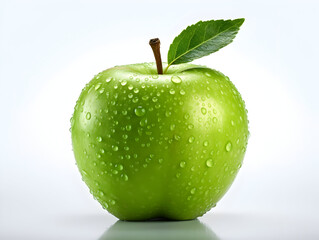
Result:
{"points": [[150, 145], [158, 230]]}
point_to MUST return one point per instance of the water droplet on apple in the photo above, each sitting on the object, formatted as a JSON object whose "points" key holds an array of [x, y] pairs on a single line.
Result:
{"points": [[182, 164], [124, 82], [128, 127], [109, 79], [160, 160], [97, 86], [203, 110], [99, 139], [193, 190], [172, 91], [178, 175], [115, 148], [209, 163], [105, 205], [112, 202], [139, 111], [143, 122], [172, 127], [176, 79], [190, 126], [130, 87], [88, 116], [206, 143], [130, 95], [168, 113], [182, 92], [125, 177], [232, 123], [135, 100], [214, 119], [191, 139], [154, 99], [228, 146]]}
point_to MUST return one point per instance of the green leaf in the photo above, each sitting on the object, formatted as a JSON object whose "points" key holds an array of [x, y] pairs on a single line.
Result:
{"points": [[202, 39]]}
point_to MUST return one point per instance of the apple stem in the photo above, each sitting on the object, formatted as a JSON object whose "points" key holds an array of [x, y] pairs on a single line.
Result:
{"points": [[155, 45]]}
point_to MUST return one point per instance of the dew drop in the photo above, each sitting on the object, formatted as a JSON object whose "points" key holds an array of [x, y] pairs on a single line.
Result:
{"points": [[182, 164], [193, 190], [209, 163], [228, 146], [105, 205], [115, 148], [206, 143], [203, 110], [97, 86], [88, 116], [123, 83], [191, 139], [172, 91], [139, 111], [99, 139], [182, 92], [143, 122], [176, 79], [109, 79]]}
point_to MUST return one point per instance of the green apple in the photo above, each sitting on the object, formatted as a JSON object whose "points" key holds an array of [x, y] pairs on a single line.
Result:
{"points": [[150, 145]]}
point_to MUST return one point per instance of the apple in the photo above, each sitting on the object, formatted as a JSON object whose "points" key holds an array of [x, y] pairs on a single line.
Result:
{"points": [[162, 144], [150, 145]]}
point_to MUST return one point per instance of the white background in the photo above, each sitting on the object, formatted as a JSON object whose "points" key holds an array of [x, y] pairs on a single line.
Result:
{"points": [[50, 49]]}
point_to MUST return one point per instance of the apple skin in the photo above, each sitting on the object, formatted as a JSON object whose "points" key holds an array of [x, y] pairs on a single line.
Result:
{"points": [[150, 145]]}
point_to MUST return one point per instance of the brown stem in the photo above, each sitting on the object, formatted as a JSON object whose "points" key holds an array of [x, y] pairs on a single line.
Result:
{"points": [[155, 45]]}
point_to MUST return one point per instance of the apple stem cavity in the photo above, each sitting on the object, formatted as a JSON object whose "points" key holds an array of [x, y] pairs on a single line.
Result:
{"points": [[155, 45]]}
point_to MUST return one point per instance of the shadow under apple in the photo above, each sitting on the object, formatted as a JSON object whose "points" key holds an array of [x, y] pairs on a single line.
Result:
{"points": [[153, 230]]}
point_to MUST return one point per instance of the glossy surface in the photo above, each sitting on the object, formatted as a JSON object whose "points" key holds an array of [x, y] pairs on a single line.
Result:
{"points": [[159, 146], [216, 226]]}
